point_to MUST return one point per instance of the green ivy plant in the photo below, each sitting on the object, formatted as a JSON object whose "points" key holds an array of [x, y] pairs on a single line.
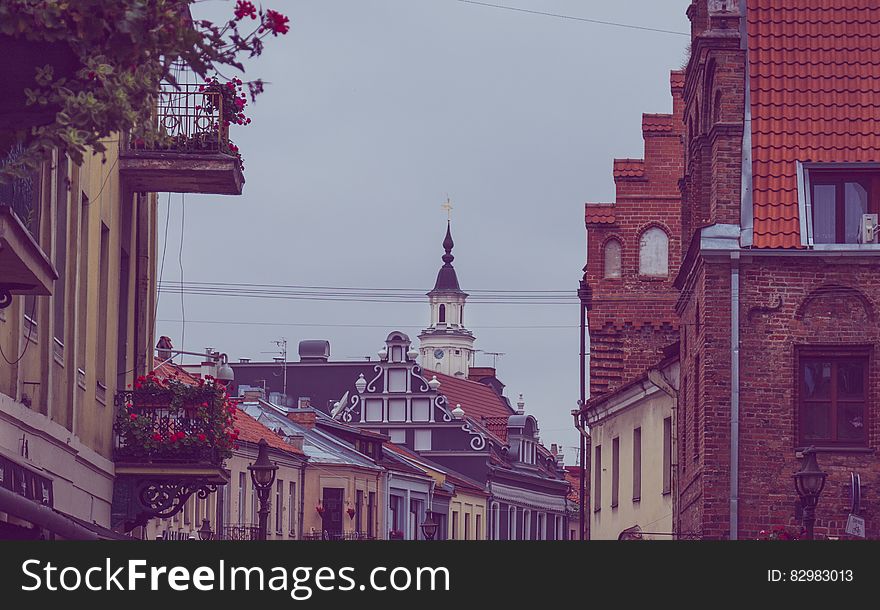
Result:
{"points": [[124, 49]]}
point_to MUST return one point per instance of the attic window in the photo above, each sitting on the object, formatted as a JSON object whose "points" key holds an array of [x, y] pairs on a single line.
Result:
{"points": [[839, 200]]}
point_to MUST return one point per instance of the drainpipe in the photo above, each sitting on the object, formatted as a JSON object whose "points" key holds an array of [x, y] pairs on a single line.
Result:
{"points": [[657, 377], [302, 500], [734, 395], [387, 510]]}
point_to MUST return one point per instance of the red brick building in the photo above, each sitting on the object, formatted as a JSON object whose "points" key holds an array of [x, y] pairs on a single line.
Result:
{"points": [[633, 251], [778, 297], [777, 283]]}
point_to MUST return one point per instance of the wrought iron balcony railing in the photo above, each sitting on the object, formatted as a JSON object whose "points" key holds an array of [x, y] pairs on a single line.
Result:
{"points": [[22, 195], [189, 119], [192, 153], [162, 425], [337, 536], [240, 532]]}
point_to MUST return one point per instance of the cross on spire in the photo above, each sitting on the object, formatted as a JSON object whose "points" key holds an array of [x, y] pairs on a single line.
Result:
{"points": [[447, 207]]}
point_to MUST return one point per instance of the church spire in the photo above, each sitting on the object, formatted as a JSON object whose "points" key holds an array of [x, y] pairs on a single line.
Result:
{"points": [[447, 280]]}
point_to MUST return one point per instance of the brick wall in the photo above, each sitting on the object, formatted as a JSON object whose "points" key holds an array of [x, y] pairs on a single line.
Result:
{"points": [[632, 317]]}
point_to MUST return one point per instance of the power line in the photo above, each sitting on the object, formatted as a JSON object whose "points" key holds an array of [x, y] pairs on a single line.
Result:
{"points": [[343, 325], [573, 18], [368, 295]]}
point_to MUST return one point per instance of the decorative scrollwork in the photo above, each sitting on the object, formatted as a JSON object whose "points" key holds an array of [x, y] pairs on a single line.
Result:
{"points": [[370, 386], [441, 403], [478, 442], [5, 298], [166, 498], [349, 409], [765, 310], [416, 369]]}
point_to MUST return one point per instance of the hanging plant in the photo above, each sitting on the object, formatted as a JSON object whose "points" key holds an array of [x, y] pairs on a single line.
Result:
{"points": [[168, 420], [112, 56]]}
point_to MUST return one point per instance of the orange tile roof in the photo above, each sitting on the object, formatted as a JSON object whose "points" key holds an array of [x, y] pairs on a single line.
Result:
{"points": [[657, 123], [252, 431], [573, 476], [477, 400], [599, 213], [497, 426], [813, 74], [169, 370], [629, 168], [676, 79]]}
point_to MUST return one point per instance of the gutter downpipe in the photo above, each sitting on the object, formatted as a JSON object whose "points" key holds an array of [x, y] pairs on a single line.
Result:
{"points": [[734, 395], [657, 377]]}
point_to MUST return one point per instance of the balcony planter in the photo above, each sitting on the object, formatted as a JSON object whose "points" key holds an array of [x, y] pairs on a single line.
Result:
{"points": [[168, 421]]}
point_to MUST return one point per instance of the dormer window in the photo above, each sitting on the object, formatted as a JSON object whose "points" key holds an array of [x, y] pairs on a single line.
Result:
{"points": [[839, 199]]}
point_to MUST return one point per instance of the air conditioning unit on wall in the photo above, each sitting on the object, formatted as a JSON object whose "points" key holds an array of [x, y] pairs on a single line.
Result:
{"points": [[868, 231]]}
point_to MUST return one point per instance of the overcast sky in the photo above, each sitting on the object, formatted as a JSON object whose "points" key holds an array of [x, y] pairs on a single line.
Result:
{"points": [[376, 109]]}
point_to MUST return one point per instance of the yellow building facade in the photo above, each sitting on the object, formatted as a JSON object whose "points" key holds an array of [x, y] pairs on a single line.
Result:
{"points": [[68, 345]]}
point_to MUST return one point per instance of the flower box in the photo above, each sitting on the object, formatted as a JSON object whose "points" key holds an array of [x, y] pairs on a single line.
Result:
{"points": [[170, 421]]}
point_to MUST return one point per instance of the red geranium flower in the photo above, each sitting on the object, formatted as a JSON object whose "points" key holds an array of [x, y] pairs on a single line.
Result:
{"points": [[243, 9], [202, 437], [275, 22], [157, 436]]}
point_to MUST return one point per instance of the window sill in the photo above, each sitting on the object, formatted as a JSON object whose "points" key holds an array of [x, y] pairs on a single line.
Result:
{"points": [[846, 247], [653, 278], [637, 499], [833, 449]]}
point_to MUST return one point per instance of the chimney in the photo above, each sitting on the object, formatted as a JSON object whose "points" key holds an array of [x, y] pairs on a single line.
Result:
{"points": [[164, 348], [314, 351], [520, 406], [304, 417], [478, 373], [295, 441]]}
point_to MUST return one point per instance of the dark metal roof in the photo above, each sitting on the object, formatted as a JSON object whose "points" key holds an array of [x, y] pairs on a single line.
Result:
{"points": [[447, 280]]}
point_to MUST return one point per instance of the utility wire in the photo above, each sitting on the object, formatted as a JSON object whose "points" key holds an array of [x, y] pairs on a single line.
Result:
{"points": [[342, 325], [573, 18], [180, 262]]}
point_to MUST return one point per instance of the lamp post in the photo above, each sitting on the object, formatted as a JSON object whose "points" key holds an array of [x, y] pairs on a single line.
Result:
{"points": [[205, 532], [809, 483], [263, 476], [429, 526]]}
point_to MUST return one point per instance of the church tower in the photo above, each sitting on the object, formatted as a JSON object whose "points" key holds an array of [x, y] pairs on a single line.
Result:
{"points": [[446, 345]]}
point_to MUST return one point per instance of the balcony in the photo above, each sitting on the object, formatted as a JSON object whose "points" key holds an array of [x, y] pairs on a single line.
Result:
{"points": [[193, 153], [25, 267], [240, 532], [325, 535], [171, 442]]}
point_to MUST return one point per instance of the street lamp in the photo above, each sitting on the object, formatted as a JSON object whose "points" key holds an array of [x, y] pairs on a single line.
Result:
{"points": [[263, 476], [429, 526], [809, 483], [205, 532]]}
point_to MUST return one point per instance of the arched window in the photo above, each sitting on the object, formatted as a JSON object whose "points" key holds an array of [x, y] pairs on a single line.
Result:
{"points": [[716, 108], [461, 315], [612, 258], [442, 314], [654, 253]]}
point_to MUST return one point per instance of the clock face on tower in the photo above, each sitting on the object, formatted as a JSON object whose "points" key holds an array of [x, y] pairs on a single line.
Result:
{"points": [[438, 354]]}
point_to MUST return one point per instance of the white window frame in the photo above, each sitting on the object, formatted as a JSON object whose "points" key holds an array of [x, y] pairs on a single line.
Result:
{"points": [[805, 206]]}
